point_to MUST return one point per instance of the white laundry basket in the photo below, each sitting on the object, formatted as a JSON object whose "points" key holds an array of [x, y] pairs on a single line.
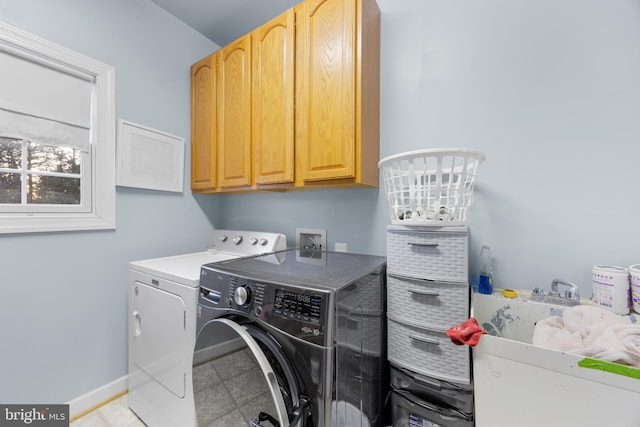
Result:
{"points": [[430, 187]]}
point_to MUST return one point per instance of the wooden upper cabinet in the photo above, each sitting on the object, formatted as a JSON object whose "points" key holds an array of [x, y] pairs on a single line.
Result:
{"points": [[234, 114], [294, 104], [273, 100], [337, 88], [203, 124]]}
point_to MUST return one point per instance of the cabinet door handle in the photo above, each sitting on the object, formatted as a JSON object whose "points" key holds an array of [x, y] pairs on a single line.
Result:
{"points": [[423, 292], [426, 244], [424, 339]]}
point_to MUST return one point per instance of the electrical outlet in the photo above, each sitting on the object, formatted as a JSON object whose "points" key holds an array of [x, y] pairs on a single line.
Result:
{"points": [[341, 247], [311, 241]]}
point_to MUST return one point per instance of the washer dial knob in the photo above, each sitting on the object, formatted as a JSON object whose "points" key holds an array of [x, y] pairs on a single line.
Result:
{"points": [[242, 295], [253, 241], [263, 241], [223, 238], [237, 240]]}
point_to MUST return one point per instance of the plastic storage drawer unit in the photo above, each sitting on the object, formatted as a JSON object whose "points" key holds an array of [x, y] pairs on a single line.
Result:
{"points": [[427, 352], [428, 253], [440, 392], [410, 411], [426, 302]]}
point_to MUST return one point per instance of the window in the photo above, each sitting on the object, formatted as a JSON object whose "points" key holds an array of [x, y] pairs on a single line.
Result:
{"points": [[33, 175], [57, 137]]}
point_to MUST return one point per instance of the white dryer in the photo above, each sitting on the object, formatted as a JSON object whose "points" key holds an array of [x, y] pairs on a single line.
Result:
{"points": [[163, 300]]}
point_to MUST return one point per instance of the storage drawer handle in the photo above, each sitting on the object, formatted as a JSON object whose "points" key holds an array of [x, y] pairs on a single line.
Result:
{"points": [[424, 339], [428, 244], [410, 279], [423, 292], [414, 279]]}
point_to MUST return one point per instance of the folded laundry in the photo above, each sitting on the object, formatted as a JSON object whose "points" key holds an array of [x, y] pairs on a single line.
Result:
{"points": [[468, 332], [593, 332]]}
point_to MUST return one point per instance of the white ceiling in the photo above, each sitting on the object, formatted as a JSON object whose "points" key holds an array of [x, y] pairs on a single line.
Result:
{"points": [[225, 20]]}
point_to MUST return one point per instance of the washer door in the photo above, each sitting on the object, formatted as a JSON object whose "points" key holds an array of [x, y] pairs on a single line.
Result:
{"points": [[254, 384]]}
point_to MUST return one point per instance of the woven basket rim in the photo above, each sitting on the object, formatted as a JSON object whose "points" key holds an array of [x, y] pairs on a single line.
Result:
{"points": [[477, 155]]}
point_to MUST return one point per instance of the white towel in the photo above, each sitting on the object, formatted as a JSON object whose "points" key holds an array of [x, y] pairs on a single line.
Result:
{"points": [[551, 333], [593, 332], [618, 343], [590, 321]]}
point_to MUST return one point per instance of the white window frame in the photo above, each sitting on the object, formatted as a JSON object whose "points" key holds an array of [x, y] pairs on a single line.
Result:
{"points": [[102, 212]]}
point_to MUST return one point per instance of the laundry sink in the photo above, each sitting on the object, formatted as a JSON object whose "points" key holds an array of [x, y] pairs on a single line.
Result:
{"points": [[512, 376], [513, 318]]}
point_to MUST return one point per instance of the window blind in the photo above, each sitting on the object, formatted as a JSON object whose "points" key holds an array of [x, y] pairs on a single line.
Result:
{"points": [[42, 103]]}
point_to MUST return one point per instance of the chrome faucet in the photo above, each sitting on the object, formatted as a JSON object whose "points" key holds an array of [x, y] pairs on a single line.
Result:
{"points": [[572, 293], [570, 297]]}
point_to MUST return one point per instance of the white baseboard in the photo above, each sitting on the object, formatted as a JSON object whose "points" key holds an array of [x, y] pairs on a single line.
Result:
{"points": [[93, 398], [104, 393]]}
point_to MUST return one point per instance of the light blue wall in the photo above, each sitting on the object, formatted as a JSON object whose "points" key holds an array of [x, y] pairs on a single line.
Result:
{"points": [[548, 90], [63, 296]]}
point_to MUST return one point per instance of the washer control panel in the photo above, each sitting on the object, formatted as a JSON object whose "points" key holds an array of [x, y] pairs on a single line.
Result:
{"points": [[299, 311], [291, 304]]}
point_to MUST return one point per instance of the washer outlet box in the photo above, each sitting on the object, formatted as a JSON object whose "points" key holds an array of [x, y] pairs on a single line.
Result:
{"points": [[311, 240]]}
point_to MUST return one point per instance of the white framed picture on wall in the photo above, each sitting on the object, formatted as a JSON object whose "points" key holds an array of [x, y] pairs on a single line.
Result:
{"points": [[148, 158]]}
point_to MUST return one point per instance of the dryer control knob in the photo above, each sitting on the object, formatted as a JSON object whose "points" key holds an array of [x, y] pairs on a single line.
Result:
{"points": [[237, 240], [242, 295], [263, 241], [253, 241], [223, 238]]}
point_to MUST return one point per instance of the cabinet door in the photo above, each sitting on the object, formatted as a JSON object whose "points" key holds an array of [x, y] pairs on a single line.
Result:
{"points": [[273, 100], [203, 124], [234, 112], [326, 93]]}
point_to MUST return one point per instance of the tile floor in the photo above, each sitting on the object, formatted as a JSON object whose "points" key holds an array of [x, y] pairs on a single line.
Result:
{"points": [[228, 393], [230, 390], [114, 414]]}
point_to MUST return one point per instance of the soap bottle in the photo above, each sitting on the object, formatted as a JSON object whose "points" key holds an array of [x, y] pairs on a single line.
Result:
{"points": [[485, 281]]}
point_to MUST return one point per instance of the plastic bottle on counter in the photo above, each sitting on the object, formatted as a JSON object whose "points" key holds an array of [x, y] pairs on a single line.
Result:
{"points": [[485, 281]]}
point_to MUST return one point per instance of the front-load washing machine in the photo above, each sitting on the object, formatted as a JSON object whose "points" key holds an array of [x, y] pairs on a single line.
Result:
{"points": [[163, 298], [310, 341]]}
